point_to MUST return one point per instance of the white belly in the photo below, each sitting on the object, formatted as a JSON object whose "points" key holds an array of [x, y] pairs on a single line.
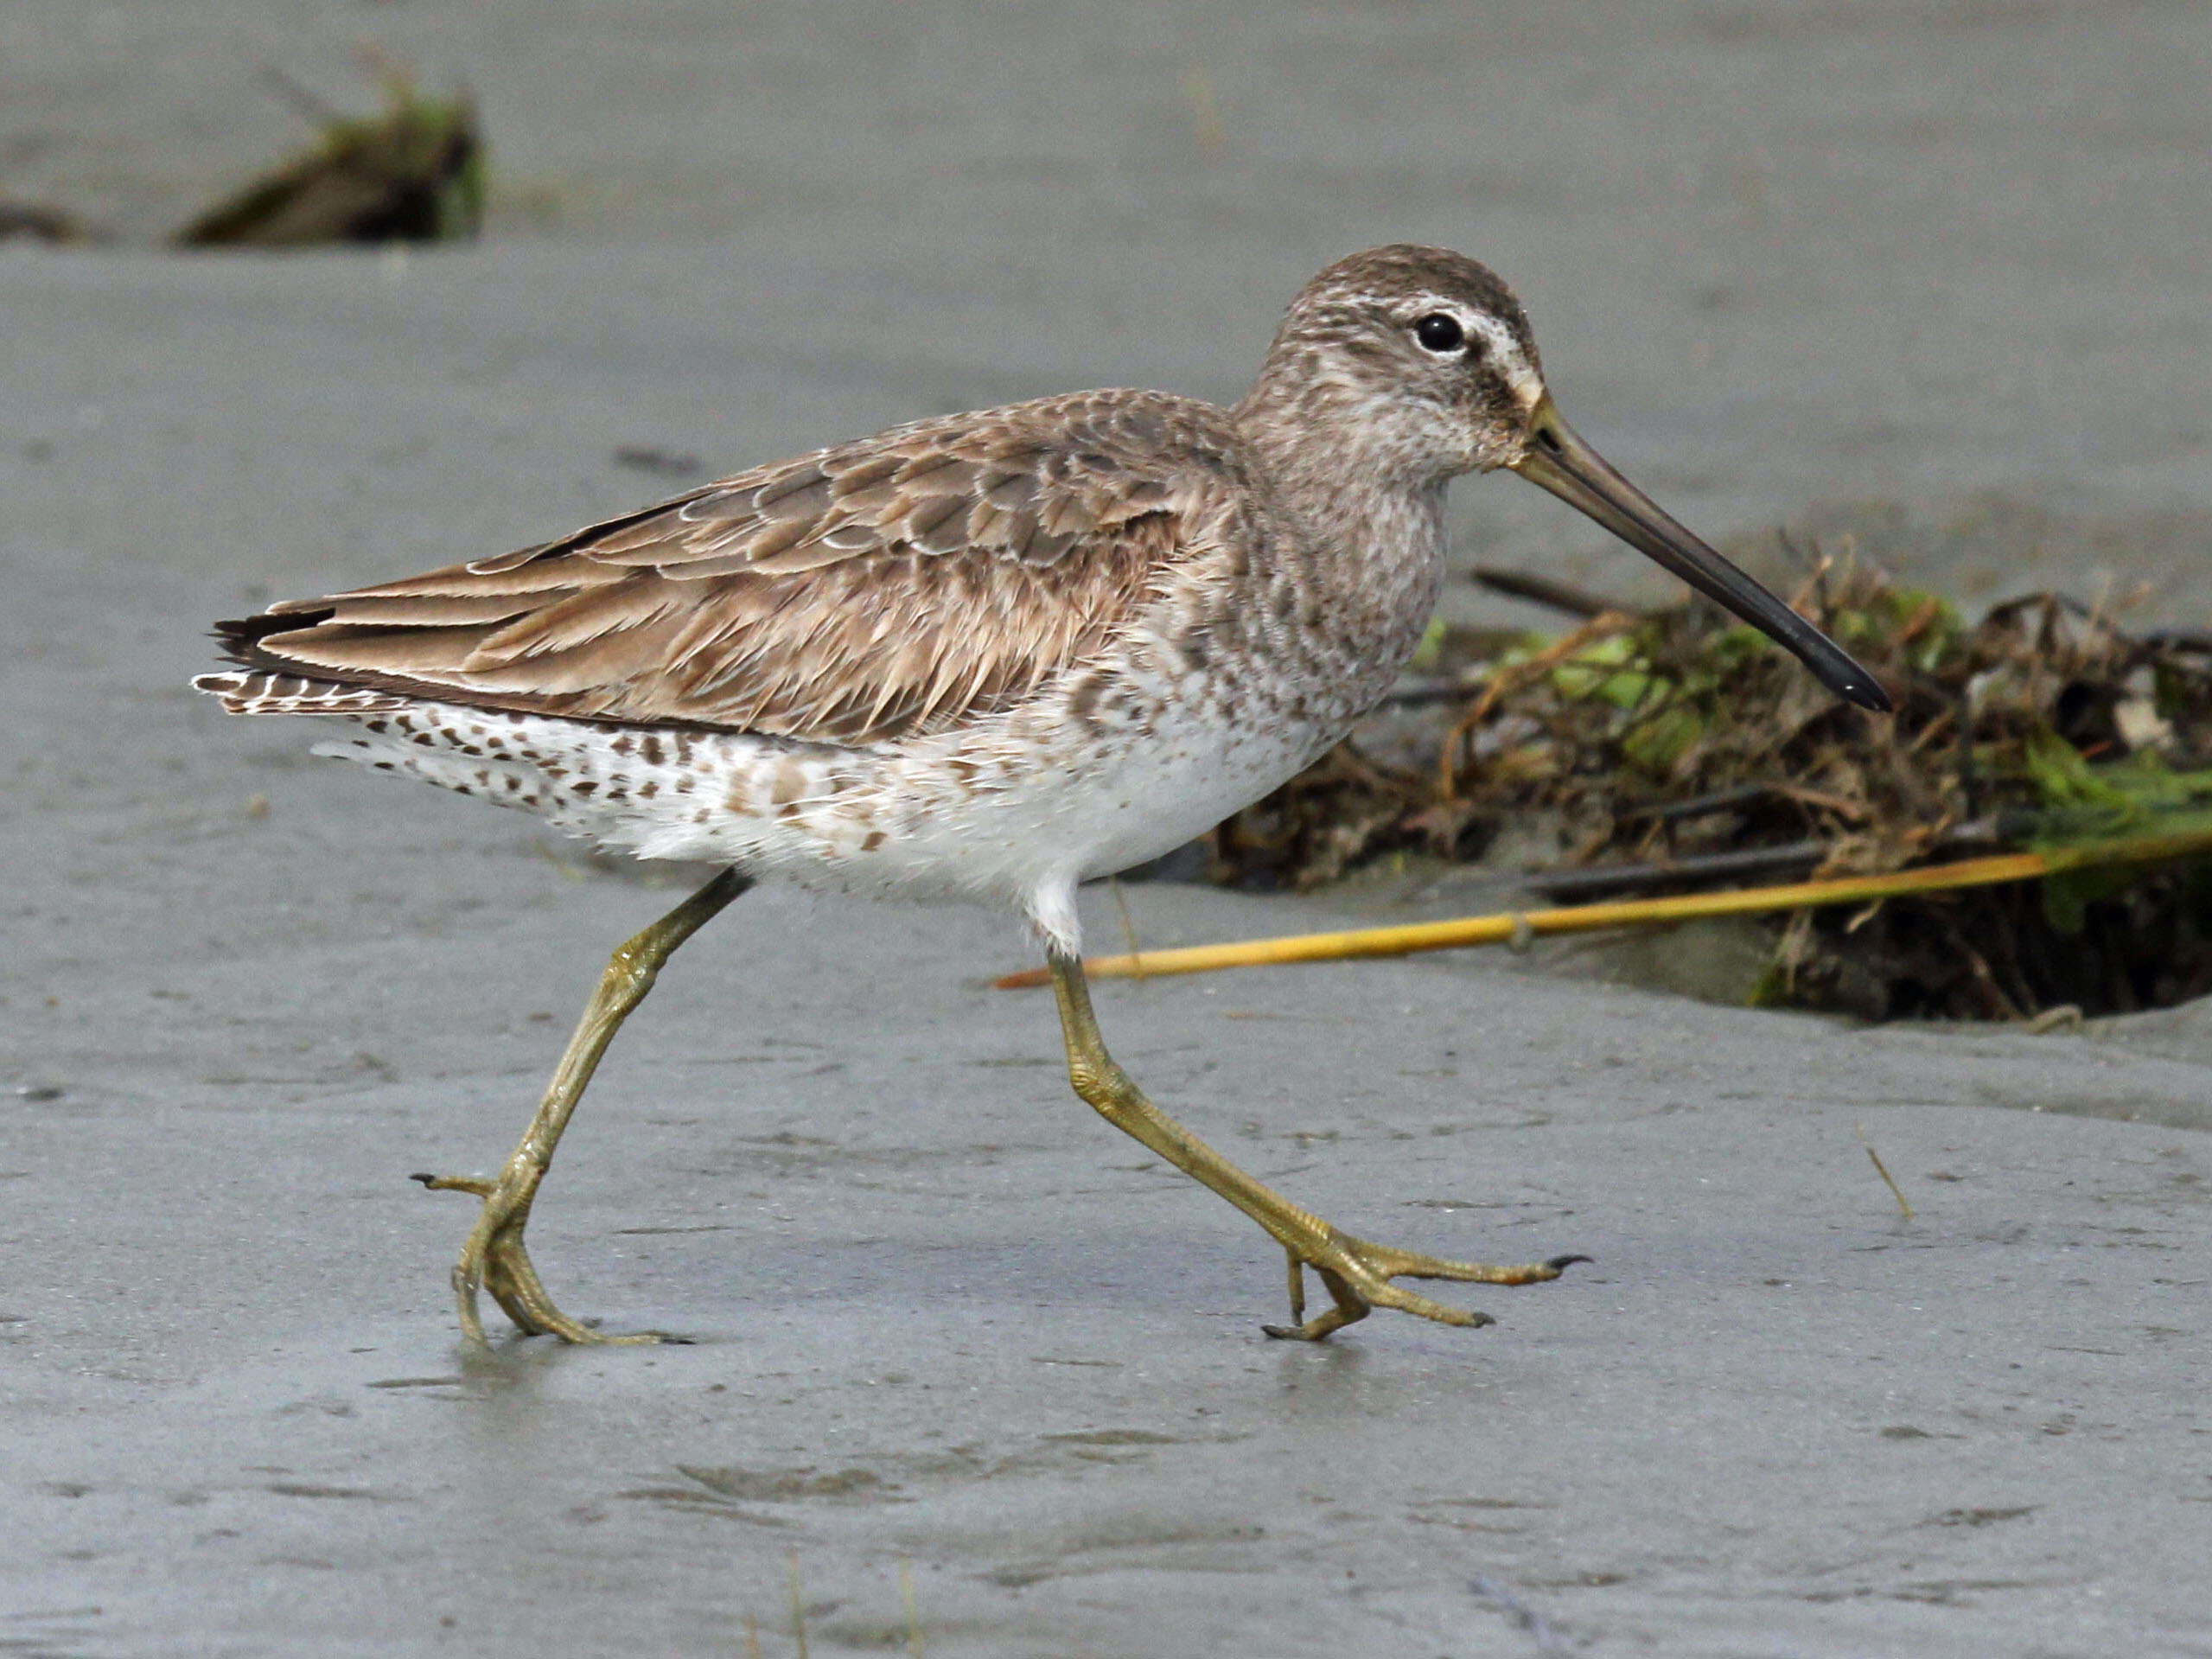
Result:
{"points": [[1013, 813]]}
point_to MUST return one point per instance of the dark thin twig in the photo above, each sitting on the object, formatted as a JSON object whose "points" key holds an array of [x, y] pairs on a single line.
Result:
{"points": [[1742, 794], [1713, 800], [2180, 639], [1547, 591], [1969, 779], [1421, 697], [1567, 884]]}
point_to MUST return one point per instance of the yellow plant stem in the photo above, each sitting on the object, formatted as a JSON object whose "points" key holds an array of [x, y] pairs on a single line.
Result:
{"points": [[1467, 931]]}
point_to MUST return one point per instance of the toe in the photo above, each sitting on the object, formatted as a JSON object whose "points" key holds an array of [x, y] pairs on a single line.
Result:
{"points": [[472, 1184], [1409, 1264], [1389, 1295]]}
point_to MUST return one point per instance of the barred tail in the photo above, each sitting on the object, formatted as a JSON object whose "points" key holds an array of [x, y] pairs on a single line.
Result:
{"points": [[258, 692]]}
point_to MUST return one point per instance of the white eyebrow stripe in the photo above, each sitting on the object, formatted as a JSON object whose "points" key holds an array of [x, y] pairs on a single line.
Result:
{"points": [[1500, 345], [1503, 348]]}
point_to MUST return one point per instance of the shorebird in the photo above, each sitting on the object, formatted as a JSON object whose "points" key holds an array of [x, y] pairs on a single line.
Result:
{"points": [[988, 657]]}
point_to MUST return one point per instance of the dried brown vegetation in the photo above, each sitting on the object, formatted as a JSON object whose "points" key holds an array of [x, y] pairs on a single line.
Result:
{"points": [[1675, 750], [412, 173]]}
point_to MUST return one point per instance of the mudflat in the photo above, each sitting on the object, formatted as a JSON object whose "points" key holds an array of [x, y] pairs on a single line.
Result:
{"points": [[1933, 277]]}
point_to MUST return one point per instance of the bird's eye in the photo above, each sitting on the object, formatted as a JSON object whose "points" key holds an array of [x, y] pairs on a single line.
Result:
{"points": [[1440, 334]]}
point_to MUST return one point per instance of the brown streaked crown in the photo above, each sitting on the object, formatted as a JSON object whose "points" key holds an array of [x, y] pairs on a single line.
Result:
{"points": [[1379, 277]]}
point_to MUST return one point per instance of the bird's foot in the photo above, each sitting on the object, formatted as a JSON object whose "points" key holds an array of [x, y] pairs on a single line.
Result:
{"points": [[1357, 1276], [493, 1260]]}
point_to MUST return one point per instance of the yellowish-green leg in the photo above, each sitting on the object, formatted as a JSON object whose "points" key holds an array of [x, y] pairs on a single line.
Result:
{"points": [[1356, 1274], [494, 1258]]}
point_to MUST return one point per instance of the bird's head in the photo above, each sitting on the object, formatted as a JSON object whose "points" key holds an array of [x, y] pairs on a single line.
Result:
{"points": [[1422, 362]]}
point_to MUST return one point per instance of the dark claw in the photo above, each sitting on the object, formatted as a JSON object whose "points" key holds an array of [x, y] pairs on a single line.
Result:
{"points": [[425, 1179], [1560, 1264]]}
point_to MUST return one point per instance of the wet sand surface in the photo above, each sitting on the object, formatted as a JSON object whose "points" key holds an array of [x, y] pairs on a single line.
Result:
{"points": [[1935, 276]]}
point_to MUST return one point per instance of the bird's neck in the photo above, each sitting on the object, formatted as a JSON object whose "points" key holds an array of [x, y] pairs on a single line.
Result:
{"points": [[1370, 524], [1344, 459]]}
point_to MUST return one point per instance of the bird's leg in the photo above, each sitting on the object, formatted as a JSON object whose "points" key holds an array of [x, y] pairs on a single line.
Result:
{"points": [[1356, 1274], [494, 1258]]}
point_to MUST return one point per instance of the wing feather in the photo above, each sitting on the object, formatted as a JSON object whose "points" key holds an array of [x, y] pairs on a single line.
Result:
{"points": [[898, 584]]}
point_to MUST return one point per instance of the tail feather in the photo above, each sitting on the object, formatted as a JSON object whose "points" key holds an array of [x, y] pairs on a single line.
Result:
{"points": [[259, 691]]}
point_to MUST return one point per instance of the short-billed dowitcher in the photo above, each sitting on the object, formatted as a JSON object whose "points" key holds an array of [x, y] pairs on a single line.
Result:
{"points": [[988, 656]]}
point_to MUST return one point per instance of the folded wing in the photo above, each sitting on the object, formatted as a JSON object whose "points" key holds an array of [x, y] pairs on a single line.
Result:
{"points": [[895, 585]]}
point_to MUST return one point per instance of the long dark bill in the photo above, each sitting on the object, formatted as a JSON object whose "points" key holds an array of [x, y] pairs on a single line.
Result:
{"points": [[1578, 475]]}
